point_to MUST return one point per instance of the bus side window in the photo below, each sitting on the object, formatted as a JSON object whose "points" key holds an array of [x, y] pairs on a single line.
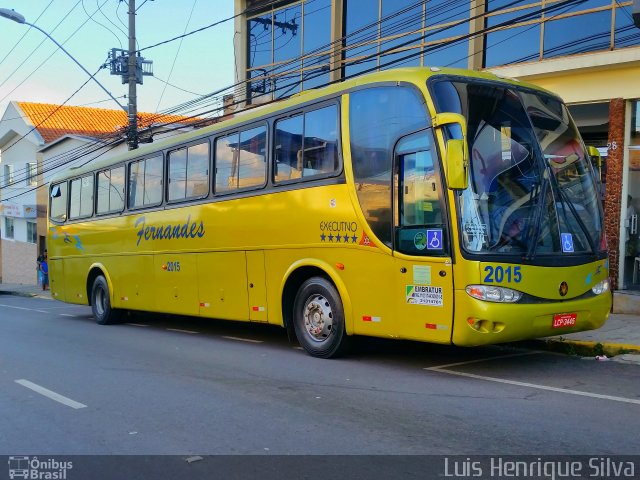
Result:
{"points": [[288, 148], [58, 206], [110, 190], [145, 182], [320, 141], [225, 159], [307, 145], [81, 204]]}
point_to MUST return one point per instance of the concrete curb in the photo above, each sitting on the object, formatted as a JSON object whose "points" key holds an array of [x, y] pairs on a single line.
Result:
{"points": [[24, 294], [586, 348]]}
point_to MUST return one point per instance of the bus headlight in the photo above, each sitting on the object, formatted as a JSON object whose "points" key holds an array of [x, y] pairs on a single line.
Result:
{"points": [[601, 287], [493, 294]]}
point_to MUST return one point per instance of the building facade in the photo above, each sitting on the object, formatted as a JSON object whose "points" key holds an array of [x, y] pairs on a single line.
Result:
{"points": [[587, 51]]}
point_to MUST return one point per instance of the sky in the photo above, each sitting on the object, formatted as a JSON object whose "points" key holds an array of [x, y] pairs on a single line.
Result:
{"points": [[204, 62]]}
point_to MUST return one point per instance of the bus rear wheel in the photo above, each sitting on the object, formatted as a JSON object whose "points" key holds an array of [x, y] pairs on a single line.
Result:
{"points": [[318, 319], [101, 303]]}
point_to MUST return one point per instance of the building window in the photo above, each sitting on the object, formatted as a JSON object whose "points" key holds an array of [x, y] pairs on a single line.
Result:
{"points": [[288, 49], [383, 34], [8, 175], [8, 227], [32, 232], [31, 170], [522, 34]]}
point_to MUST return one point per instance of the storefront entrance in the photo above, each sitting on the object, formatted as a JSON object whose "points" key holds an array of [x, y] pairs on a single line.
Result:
{"points": [[631, 208]]}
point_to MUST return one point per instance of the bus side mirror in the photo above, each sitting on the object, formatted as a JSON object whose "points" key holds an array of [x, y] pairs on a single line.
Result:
{"points": [[457, 156], [456, 164]]}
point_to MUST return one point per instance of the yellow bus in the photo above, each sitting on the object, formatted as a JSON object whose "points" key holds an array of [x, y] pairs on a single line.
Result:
{"points": [[436, 205]]}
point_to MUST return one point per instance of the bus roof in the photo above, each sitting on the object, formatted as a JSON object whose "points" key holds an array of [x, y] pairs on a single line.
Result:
{"points": [[416, 75]]}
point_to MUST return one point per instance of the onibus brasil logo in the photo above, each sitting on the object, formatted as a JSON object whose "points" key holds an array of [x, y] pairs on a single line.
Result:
{"points": [[36, 469]]}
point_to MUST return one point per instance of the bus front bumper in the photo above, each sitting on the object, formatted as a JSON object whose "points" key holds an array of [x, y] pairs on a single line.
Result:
{"points": [[481, 323]]}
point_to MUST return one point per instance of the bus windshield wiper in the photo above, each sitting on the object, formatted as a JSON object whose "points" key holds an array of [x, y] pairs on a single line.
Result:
{"points": [[534, 230]]}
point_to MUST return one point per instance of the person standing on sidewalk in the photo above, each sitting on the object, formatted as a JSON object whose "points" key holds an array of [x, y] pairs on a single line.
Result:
{"points": [[38, 269], [44, 268]]}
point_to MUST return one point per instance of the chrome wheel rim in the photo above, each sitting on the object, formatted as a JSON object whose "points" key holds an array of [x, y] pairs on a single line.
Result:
{"points": [[318, 317]]}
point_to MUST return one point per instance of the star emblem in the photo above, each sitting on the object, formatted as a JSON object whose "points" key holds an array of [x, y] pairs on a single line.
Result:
{"points": [[354, 239], [338, 238], [323, 237], [346, 239], [331, 237]]}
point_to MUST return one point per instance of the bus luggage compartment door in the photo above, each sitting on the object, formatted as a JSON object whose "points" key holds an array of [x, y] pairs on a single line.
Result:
{"points": [[176, 276]]}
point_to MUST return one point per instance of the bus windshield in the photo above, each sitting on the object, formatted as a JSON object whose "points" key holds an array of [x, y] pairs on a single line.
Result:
{"points": [[531, 187]]}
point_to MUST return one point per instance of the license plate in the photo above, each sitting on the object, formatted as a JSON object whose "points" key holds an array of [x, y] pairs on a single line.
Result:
{"points": [[562, 320]]}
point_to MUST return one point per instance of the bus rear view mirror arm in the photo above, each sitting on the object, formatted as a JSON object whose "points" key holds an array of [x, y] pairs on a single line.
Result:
{"points": [[457, 155]]}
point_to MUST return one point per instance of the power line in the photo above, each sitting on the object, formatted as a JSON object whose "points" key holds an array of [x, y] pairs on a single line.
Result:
{"points": [[102, 25], [52, 53], [23, 62], [25, 33], [175, 58], [247, 11]]}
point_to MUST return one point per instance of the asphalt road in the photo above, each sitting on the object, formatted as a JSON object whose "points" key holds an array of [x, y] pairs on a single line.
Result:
{"points": [[169, 385]]}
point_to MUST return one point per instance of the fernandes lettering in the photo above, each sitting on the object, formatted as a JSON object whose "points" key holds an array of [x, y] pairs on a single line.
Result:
{"points": [[185, 230]]}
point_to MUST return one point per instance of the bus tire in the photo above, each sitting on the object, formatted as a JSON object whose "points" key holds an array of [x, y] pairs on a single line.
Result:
{"points": [[101, 303], [318, 319]]}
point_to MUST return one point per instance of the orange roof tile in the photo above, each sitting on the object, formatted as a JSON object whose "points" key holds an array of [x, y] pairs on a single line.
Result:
{"points": [[55, 121]]}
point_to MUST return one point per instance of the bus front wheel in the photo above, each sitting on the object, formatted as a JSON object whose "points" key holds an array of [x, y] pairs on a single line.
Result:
{"points": [[318, 319], [101, 303]]}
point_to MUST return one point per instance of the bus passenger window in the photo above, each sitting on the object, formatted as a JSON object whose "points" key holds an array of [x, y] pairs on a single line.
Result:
{"points": [[177, 174], [145, 182], [226, 158], [197, 170], [252, 166], [189, 172], [320, 141], [307, 145], [241, 160], [288, 146], [58, 206], [81, 204], [110, 190]]}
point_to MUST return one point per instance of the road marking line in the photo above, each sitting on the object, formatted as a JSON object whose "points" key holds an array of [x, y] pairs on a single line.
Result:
{"points": [[181, 331], [249, 340], [52, 395], [17, 308], [67, 315], [41, 311], [539, 387], [479, 360], [137, 324]]}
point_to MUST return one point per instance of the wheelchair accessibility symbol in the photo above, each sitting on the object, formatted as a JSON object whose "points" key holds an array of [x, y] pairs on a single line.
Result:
{"points": [[567, 242], [434, 239]]}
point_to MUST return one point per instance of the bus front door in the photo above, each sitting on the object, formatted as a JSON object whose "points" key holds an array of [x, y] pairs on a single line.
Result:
{"points": [[424, 280]]}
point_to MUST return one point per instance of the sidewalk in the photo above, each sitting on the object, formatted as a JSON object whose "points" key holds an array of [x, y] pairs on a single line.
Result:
{"points": [[620, 335], [24, 290]]}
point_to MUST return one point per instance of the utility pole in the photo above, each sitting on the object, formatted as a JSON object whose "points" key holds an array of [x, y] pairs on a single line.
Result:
{"points": [[132, 137]]}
